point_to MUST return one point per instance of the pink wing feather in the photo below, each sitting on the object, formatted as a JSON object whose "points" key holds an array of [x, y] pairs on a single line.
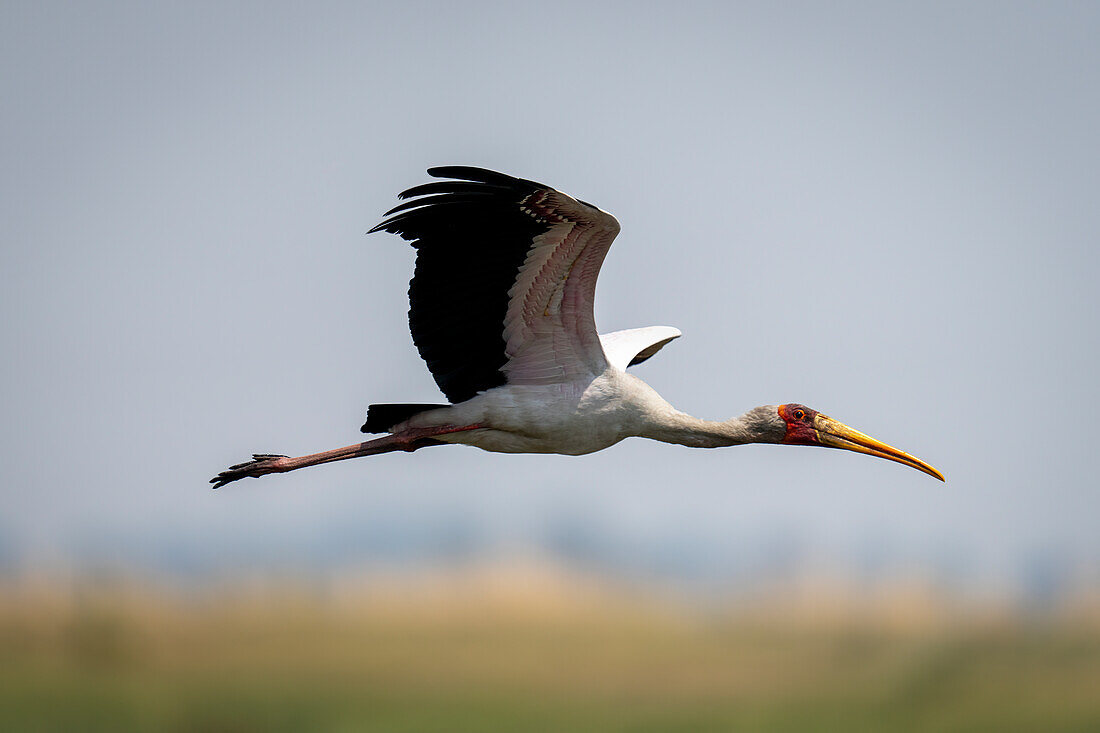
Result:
{"points": [[549, 329]]}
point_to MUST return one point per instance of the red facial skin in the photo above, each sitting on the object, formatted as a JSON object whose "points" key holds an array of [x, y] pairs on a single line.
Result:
{"points": [[800, 424]]}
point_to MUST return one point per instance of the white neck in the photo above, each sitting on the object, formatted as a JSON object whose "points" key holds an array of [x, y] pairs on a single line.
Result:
{"points": [[683, 429]]}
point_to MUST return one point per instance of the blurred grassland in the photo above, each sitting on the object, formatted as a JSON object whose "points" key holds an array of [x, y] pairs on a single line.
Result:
{"points": [[516, 653]]}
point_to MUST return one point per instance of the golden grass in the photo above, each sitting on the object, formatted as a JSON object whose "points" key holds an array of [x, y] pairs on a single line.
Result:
{"points": [[526, 650]]}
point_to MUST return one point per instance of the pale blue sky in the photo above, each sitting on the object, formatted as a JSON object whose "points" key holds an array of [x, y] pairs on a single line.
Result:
{"points": [[885, 211]]}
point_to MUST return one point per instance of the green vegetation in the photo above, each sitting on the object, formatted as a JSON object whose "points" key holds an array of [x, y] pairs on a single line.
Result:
{"points": [[120, 660]]}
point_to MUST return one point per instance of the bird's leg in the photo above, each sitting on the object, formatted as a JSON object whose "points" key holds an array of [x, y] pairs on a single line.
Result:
{"points": [[406, 440]]}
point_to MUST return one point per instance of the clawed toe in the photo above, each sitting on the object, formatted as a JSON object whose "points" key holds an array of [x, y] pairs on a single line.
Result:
{"points": [[260, 465]]}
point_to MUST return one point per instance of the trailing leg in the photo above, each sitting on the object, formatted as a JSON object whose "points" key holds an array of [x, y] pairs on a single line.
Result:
{"points": [[407, 440]]}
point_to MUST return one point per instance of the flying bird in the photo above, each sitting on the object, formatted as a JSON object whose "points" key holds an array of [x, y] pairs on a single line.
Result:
{"points": [[500, 309]]}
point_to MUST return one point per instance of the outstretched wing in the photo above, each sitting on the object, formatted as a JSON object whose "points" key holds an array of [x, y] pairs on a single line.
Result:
{"points": [[505, 279]]}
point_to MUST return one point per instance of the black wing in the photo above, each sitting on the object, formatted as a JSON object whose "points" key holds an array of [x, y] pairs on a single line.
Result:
{"points": [[475, 237]]}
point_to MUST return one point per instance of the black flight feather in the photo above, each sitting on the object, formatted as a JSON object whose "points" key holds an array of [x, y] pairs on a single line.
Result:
{"points": [[380, 418], [471, 238]]}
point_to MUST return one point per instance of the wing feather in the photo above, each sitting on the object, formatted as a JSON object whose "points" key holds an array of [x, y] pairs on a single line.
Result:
{"points": [[505, 279]]}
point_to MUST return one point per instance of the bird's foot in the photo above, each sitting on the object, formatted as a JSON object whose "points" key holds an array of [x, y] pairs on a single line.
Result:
{"points": [[260, 465]]}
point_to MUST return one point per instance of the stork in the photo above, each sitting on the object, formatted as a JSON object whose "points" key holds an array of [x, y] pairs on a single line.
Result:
{"points": [[501, 312]]}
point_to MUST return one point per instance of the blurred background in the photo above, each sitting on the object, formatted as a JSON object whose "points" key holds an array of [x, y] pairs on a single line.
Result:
{"points": [[886, 211]]}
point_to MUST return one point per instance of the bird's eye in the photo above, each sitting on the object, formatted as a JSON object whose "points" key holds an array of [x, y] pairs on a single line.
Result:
{"points": [[799, 414]]}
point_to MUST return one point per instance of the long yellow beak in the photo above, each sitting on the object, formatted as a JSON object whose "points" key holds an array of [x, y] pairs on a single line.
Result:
{"points": [[838, 435]]}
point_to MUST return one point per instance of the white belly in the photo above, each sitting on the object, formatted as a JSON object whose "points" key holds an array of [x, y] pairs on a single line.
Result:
{"points": [[570, 443], [572, 419]]}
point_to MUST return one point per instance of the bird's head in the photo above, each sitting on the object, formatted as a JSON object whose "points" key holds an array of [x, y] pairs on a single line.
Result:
{"points": [[804, 426]]}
